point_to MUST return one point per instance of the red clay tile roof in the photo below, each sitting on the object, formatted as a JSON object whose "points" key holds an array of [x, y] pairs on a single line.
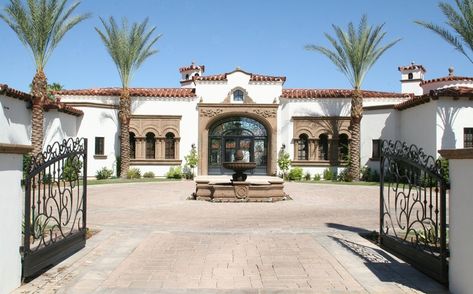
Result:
{"points": [[191, 67], [336, 93], [417, 100], [48, 104], [453, 92], [412, 67], [446, 79], [140, 92], [435, 94], [253, 77], [10, 92], [61, 107]]}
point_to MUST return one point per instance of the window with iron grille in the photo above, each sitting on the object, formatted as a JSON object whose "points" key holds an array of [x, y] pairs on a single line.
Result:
{"points": [[169, 146], [468, 138], [99, 145], [303, 147], [376, 149], [150, 145]]}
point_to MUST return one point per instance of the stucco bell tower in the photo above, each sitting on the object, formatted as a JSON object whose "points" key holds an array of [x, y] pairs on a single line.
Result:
{"points": [[189, 72], [411, 77]]}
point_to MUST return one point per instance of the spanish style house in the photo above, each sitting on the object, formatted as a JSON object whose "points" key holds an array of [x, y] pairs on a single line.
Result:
{"points": [[241, 110]]}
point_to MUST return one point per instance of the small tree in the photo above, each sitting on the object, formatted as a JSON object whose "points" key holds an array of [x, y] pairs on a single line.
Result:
{"points": [[192, 159], [284, 161]]}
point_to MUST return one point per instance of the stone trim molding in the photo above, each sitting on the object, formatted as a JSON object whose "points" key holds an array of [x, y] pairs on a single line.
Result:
{"points": [[15, 148], [92, 104], [466, 153], [246, 98], [155, 162]]}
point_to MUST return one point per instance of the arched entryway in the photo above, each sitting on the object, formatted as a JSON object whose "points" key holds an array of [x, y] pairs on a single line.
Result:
{"points": [[233, 133]]}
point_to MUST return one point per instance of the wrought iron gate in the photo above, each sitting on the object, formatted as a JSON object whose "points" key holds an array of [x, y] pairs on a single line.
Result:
{"points": [[413, 213], [54, 226]]}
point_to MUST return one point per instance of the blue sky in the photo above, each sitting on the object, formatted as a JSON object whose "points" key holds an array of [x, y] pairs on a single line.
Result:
{"points": [[265, 37]]}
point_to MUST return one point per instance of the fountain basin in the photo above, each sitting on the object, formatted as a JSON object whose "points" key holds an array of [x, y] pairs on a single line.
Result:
{"points": [[239, 167], [254, 189]]}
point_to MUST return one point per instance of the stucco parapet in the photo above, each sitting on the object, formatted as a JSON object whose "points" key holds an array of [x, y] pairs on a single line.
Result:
{"points": [[466, 153], [15, 148]]}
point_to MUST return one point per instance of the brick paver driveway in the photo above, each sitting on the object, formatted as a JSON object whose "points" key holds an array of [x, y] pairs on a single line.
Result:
{"points": [[152, 239]]}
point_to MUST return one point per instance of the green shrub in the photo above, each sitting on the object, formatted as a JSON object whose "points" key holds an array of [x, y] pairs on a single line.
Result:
{"points": [[344, 176], [284, 161], [187, 173], [174, 173], [365, 174], [72, 169], [103, 173], [317, 177], [295, 174], [149, 175], [47, 178], [374, 176], [307, 176], [26, 165], [133, 173], [329, 175]]}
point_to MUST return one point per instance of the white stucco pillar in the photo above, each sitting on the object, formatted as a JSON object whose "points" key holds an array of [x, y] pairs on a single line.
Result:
{"points": [[461, 219], [11, 215]]}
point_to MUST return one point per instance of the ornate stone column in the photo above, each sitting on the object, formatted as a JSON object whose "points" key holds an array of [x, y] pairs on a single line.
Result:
{"points": [[177, 145], [160, 147], [157, 143], [312, 149], [296, 148], [140, 147]]}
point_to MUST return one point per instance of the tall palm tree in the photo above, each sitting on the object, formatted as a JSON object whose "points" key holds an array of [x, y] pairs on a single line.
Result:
{"points": [[356, 51], [40, 25], [460, 21], [129, 46]]}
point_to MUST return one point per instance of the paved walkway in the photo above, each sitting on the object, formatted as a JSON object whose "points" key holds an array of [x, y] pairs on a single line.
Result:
{"points": [[153, 240]]}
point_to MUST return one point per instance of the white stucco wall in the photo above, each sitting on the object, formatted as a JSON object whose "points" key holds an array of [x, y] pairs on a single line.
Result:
{"points": [[452, 117], [11, 219], [461, 219], [217, 91], [58, 126], [417, 126], [377, 124], [15, 128], [186, 108], [15, 121], [99, 122]]}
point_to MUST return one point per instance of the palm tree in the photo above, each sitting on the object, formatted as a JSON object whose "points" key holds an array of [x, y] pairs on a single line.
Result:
{"points": [[356, 50], [129, 47], [460, 21], [40, 25]]}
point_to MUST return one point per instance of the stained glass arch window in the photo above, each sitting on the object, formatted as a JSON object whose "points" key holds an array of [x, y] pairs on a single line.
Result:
{"points": [[239, 126]]}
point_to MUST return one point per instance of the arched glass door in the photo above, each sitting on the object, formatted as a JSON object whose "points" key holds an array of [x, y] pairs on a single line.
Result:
{"points": [[229, 135]]}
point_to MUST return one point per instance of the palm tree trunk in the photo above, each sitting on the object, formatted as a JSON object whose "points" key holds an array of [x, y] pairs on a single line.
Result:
{"points": [[355, 121], [124, 115], [39, 91]]}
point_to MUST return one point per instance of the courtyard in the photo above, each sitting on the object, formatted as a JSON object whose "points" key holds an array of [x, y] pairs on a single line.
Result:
{"points": [[149, 238]]}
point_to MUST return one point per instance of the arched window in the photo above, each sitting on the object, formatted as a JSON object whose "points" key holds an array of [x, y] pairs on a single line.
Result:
{"points": [[170, 143], [410, 76], [238, 96], [343, 144], [196, 75], [187, 76], [303, 147], [323, 147], [150, 145], [132, 145]]}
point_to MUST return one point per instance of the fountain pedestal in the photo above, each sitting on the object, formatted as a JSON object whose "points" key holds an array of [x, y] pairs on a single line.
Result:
{"points": [[254, 189]]}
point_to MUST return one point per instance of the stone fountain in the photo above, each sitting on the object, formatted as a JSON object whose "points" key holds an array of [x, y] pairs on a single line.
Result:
{"points": [[239, 166], [240, 187]]}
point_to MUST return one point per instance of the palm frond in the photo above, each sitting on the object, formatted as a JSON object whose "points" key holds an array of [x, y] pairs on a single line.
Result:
{"points": [[128, 46], [459, 33], [40, 25], [356, 50]]}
